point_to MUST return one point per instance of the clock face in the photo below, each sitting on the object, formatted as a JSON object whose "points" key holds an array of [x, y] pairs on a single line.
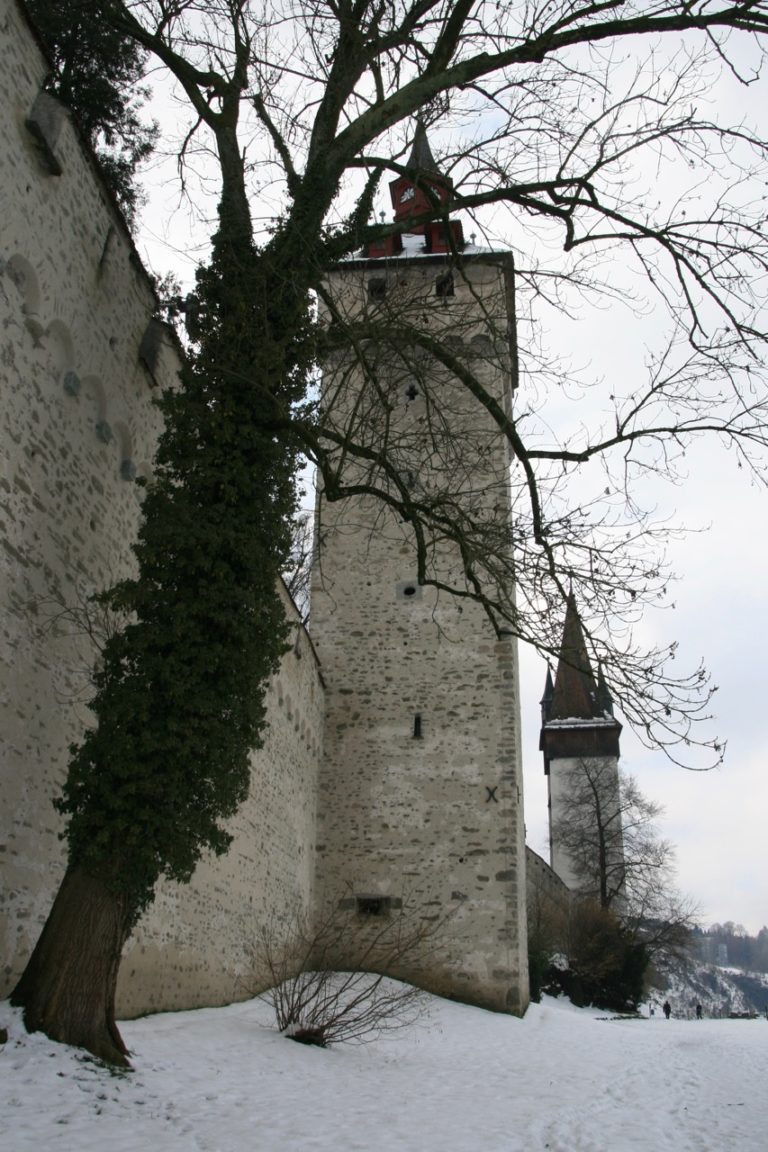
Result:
{"points": [[407, 195]]}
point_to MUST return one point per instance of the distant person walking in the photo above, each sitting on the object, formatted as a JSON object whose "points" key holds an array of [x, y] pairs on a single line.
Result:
{"points": [[667, 1009], [698, 1011]]}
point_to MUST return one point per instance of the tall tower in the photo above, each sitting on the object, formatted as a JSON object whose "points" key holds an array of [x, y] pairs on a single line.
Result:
{"points": [[420, 809], [580, 742]]}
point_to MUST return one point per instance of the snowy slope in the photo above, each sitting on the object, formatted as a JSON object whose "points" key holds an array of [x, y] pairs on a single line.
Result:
{"points": [[462, 1080]]}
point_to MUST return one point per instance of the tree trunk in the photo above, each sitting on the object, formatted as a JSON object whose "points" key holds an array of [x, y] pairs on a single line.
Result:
{"points": [[67, 989]]}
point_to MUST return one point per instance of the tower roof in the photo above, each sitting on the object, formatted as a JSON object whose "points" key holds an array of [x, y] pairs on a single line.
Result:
{"points": [[604, 697], [575, 690], [421, 158], [421, 198], [577, 711], [549, 691]]}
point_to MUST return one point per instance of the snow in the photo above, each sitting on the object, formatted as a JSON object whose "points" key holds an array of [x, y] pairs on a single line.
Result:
{"points": [[604, 721], [414, 247], [460, 1080]]}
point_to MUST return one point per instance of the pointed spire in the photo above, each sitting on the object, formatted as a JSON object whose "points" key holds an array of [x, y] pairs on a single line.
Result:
{"points": [[549, 687], [421, 158], [575, 691], [578, 719], [546, 700]]}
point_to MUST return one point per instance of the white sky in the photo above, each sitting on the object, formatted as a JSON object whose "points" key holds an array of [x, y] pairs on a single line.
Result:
{"points": [[717, 820], [460, 1080]]}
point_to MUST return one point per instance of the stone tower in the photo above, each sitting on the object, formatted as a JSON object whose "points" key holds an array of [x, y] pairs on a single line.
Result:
{"points": [[420, 808], [580, 742]]}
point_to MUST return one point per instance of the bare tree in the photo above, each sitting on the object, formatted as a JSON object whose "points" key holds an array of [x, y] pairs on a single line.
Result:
{"points": [[77, 628], [298, 574], [306, 109], [608, 832], [666, 926]]}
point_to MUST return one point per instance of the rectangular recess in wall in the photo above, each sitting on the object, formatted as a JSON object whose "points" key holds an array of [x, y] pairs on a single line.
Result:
{"points": [[376, 905]]}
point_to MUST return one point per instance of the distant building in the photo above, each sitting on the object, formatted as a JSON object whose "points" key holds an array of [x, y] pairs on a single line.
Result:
{"points": [[580, 742]]}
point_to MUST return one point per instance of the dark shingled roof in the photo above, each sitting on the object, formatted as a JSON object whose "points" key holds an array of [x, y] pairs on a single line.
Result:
{"points": [[421, 158], [575, 693], [576, 711]]}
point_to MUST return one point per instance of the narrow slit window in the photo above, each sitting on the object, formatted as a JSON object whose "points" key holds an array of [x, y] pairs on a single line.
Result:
{"points": [[377, 288], [444, 286], [417, 726]]}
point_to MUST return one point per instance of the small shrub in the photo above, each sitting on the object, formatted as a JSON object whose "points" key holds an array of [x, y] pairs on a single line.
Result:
{"points": [[295, 969]]}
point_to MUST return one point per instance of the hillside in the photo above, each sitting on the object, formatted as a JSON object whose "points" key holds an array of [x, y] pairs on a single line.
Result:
{"points": [[719, 990]]}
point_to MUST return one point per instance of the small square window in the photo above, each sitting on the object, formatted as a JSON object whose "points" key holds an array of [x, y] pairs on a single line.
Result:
{"points": [[377, 288], [444, 286]]}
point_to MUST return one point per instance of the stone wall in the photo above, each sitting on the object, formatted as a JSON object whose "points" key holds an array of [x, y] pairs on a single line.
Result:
{"points": [[433, 819], [77, 426], [543, 885], [198, 943], [80, 361]]}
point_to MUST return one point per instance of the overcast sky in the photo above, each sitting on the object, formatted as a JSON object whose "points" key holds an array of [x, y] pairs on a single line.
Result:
{"points": [[718, 820]]}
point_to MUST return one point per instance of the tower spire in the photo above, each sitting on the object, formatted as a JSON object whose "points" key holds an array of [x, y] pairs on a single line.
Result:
{"points": [[575, 691], [576, 711], [421, 198], [421, 158]]}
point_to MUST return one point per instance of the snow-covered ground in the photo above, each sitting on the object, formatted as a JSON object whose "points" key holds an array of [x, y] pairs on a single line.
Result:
{"points": [[461, 1080]]}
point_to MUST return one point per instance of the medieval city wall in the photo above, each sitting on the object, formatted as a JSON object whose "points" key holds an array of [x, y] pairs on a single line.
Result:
{"points": [[199, 943], [543, 885], [80, 361]]}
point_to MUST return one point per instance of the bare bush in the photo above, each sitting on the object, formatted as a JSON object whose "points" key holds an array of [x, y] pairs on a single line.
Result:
{"points": [[295, 970]]}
